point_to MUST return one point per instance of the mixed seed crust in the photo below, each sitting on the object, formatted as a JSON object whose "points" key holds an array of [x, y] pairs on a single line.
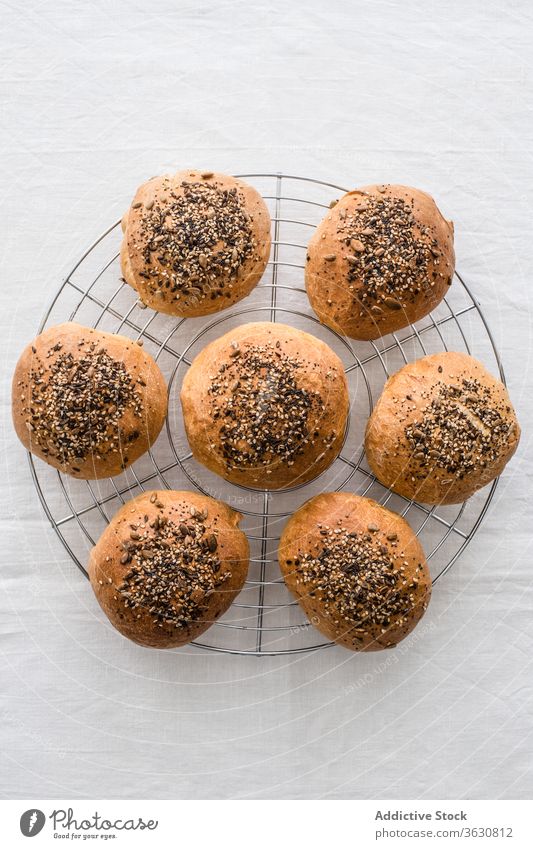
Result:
{"points": [[87, 402], [357, 570], [442, 428], [382, 258], [265, 405], [198, 239], [262, 410], [168, 565], [76, 408], [393, 256], [463, 429], [195, 242]]}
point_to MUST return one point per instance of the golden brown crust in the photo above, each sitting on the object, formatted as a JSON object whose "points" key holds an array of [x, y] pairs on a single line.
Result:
{"points": [[442, 429], [265, 406], [381, 259], [195, 242], [168, 565], [357, 570], [73, 386]]}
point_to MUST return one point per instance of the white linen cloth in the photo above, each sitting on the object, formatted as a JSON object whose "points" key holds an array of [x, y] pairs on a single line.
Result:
{"points": [[98, 96]]}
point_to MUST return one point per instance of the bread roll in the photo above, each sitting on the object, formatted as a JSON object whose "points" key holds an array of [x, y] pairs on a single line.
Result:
{"points": [[265, 406], [168, 565], [357, 570], [442, 429], [381, 259], [89, 403], [195, 242]]}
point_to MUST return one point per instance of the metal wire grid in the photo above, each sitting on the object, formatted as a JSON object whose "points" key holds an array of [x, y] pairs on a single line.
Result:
{"points": [[264, 620]]}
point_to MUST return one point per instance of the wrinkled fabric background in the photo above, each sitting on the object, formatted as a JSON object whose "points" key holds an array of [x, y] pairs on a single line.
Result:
{"points": [[98, 96]]}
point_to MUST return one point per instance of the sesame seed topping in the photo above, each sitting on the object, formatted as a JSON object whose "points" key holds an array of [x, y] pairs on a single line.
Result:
{"points": [[263, 412], [393, 253], [460, 430], [76, 403], [171, 574], [358, 577], [193, 241]]}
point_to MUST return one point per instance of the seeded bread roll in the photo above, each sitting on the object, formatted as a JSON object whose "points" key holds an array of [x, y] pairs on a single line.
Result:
{"points": [[168, 565], [265, 406], [442, 429], [381, 259], [195, 242], [89, 403], [357, 570]]}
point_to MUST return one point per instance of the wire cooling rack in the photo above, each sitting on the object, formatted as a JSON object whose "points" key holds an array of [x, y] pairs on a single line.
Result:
{"points": [[264, 620]]}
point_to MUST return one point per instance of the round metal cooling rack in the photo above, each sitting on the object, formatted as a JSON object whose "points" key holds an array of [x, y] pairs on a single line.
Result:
{"points": [[264, 620]]}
